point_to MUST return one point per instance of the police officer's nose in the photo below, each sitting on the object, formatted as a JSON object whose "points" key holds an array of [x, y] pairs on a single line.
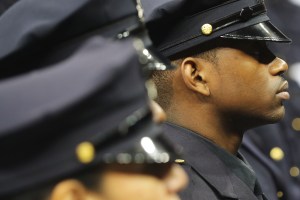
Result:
{"points": [[159, 114], [176, 180], [278, 67]]}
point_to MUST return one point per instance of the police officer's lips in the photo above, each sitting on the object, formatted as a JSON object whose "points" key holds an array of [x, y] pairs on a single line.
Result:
{"points": [[283, 91]]}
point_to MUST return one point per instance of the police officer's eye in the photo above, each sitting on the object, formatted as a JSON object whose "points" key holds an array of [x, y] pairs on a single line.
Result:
{"points": [[262, 55], [266, 57], [258, 50], [256, 55]]}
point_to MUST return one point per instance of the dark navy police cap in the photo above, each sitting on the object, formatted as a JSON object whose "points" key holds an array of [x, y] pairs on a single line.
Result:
{"points": [[31, 23], [196, 22], [85, 111], [32, 28]]}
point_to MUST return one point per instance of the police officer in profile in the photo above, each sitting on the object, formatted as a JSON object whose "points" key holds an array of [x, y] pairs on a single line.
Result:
{"points": [[228, 80], [273, 150]]}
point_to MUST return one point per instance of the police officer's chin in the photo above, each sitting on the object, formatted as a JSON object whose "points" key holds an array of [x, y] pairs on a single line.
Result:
{"points": [[249, 121], [280, 114], [272, 118]]}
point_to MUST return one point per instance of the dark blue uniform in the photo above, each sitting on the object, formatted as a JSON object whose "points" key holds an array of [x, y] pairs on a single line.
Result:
{"points": [[213, 172]]}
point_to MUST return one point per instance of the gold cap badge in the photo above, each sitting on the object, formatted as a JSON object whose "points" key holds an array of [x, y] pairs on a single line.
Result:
{"points": [[85, 152], [206, 29]]}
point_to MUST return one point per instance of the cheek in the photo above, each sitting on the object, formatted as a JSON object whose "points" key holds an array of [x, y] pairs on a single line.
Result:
{"points": [[239, 91], [259, 87], [242, 82], [116, 186]]}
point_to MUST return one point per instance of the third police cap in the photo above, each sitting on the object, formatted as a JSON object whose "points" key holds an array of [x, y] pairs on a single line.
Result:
{"points": [[180, 28]]}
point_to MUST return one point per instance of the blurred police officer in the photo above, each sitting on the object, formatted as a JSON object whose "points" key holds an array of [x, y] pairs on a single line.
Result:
{"points": [[62, 129], [273, 150], [76, 120], [228, 81]]}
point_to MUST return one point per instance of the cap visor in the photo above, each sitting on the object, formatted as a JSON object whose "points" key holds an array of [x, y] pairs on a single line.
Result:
{"points": [[145, 144], [264, 31]]}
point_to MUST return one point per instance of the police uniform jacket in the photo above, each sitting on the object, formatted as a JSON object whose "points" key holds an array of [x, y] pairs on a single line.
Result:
{"points": [[210, 177]]}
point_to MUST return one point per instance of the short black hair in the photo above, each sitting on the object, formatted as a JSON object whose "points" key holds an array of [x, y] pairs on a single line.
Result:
{"points": [[163, 79]]}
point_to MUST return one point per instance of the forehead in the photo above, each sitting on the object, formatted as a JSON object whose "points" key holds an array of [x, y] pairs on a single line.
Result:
{"points": [[245, 45], [260, 50]]}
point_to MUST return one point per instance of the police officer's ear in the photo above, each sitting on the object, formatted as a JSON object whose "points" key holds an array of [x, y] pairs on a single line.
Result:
{"points": [[72, 189], [194, 74]]}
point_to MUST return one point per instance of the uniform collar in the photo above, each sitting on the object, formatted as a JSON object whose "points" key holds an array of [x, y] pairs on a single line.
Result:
{"points": [[237, 164], [207, 164]]}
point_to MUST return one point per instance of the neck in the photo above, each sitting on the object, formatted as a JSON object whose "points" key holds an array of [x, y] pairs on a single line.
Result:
{"points": [[222, 132]]}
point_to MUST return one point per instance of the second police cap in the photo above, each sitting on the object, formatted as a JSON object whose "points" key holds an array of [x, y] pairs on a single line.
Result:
{"points": [[84, 111], [197, 22]]}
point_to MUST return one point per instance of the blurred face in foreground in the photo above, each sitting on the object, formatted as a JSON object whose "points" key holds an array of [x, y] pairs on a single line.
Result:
{"points": [[129, 181], [159, 182]]}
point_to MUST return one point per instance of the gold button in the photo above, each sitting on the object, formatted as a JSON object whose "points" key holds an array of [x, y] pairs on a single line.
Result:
{"points": [[279, 194], [296, 124], [179, 161], [294, 171], [276, 154], [85, 152], [206, 29]]}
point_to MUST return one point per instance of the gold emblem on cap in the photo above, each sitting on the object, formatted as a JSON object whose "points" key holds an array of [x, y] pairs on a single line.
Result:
{"points": [[277, 154], [179, 161], [206, 29], [85, 152], [294, 171]]}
